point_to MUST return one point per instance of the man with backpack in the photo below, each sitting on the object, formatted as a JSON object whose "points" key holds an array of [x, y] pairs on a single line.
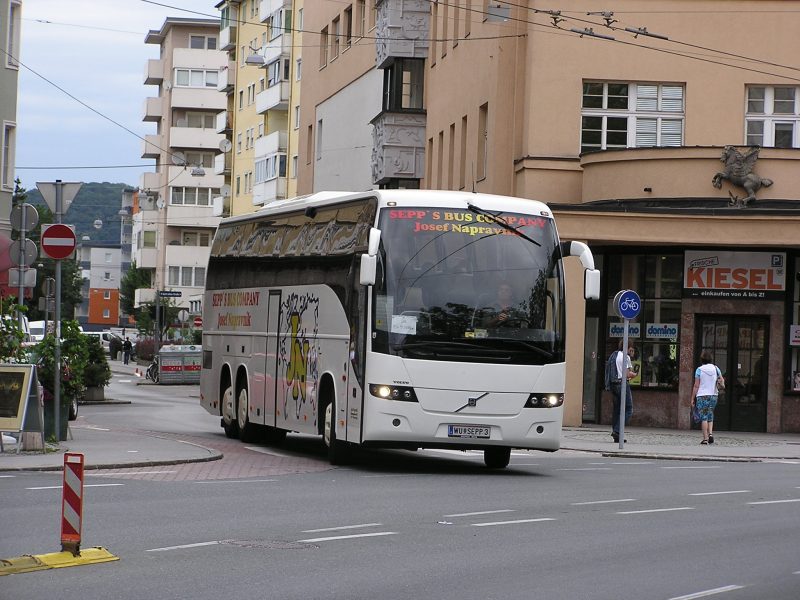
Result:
{"points": [[619, 363]]}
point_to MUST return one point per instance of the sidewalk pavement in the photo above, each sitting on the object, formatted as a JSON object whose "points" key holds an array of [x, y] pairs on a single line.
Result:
{"points": [[105, 449]]}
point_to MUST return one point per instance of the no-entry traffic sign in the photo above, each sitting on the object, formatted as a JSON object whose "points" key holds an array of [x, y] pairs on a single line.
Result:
{"points": [[198, 321], [58, 241]]}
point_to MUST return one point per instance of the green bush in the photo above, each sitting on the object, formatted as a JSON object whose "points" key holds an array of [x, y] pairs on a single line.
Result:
{"points": [[97, 372], [74, 359], [115, 347]]}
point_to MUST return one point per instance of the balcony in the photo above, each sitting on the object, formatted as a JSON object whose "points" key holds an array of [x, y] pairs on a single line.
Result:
{"points": [[222, 206], [280, 46], [227, 78], [187, 256], [398, 145], [151, 146], [150, 181], [222, 164], [227, 38], [144, 295], [275, 97], [153, 110], [269, 191], [271, 144], [198, 98], [182, 177], [268, 7], [404, 26], [154, 72], [194, 137], [192, 215], [146, 258], [224, 122]]}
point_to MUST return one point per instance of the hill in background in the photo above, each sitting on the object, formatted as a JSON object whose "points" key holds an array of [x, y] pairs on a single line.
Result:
{"points": [[93, 201]]}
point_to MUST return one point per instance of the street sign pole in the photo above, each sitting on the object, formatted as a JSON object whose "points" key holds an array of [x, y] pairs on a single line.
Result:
{"points": [[627, 305], [158, 322], [57, 319], [55, 192]]}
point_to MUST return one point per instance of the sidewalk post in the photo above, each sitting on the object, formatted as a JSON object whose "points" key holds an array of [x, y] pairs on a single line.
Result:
{"points": [[72, 503], [627, 305]]}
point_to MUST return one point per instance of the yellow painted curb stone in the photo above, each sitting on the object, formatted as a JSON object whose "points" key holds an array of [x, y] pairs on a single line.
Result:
{"points": [[54, 560]]}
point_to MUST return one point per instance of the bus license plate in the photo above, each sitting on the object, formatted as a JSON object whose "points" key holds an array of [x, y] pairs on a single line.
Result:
{"points": [[468, 431]]}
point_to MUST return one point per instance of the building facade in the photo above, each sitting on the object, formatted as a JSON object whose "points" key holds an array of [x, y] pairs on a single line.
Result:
{"points": [[10, 23], [636, 127], [259, 37], [101, 272], [174, 222]]}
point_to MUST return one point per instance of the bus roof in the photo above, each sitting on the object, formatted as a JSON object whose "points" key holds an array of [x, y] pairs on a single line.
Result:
{"points": [[403, 197]]}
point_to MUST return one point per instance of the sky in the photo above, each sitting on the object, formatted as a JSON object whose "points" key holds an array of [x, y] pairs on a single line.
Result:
{"points": [[95, 50]]}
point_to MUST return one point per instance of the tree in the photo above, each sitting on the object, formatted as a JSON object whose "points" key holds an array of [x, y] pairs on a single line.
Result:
{"points": [[134, 279]]}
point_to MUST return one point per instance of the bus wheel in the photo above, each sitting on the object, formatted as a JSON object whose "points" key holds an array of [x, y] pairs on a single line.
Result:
{"points": [[337, 450], [229, 414], [497, 458], [246, 428]]}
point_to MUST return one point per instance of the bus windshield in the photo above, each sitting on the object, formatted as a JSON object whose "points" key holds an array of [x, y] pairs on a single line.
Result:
{"points": [[468, 285]]}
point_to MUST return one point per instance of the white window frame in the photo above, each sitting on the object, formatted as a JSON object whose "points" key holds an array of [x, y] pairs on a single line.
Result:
{"points": [[655, 115], [12, 43], [769, 119], [7, 155], [209, 78]]}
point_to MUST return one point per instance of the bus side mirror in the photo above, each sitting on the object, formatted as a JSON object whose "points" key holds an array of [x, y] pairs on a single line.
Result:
{"points": [[591, 284], [374, 241], [369, 269]]}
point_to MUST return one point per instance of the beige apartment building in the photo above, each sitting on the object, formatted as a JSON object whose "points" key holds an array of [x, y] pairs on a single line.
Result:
{"points": [[174, 222], [258, 36], [10, 25], [623, 123]]}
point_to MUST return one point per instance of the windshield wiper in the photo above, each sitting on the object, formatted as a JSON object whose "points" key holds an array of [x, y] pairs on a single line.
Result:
{"points": [[528, 346], [499, 221]]}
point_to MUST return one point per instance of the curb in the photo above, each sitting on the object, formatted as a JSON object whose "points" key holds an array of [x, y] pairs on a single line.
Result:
{"points": [[130, 465], [689, 457]]}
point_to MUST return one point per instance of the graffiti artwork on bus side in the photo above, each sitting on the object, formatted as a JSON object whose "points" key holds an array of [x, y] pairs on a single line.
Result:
{"points": [[298, 353]]}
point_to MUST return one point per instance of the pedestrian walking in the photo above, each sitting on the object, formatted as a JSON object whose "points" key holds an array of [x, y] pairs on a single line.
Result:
{"points": [[619, 365], [708, 380], [127, 347]]}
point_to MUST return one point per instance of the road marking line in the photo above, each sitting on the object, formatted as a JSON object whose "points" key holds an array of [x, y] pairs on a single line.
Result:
{"points": [[603, 501], [776, 501], [516, 464], [796, 573], [235, 481], [482, 512], [265, 451], [718, 493], [654, 510], [720, 590], [120, 474], [58, 487], [717, 467], [95, 428], [632, 463], [182, 546], [342, 527], [587, 469], [511, 522], [124, 381], [6, 476], [346, 537]]}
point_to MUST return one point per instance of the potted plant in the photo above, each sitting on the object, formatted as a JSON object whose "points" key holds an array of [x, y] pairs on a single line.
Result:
{"points": [[74, 359], [97, 374]]}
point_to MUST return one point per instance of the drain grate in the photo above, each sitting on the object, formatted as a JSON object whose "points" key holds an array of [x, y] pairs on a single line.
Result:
{"points": [[269, 544]]}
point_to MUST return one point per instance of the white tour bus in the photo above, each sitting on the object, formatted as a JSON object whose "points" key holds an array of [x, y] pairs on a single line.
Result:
{"points": [[391, 318]]}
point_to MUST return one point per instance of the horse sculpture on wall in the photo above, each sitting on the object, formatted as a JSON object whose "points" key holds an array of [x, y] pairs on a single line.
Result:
{"points": [[739, 171]]}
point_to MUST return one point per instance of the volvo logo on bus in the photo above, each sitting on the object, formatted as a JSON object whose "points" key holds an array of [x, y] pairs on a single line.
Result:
{"points": [[472, 402]]}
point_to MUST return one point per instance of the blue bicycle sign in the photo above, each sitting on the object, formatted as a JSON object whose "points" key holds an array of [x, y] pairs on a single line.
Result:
{"points": [[627, 304]]}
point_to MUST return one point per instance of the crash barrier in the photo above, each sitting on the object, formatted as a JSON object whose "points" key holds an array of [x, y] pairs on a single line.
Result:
{"points": [[179, 364], [72, 503]]}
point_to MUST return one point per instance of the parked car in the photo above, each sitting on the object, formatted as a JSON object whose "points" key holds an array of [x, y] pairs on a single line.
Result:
{"points": [[36, 329], [105, 337]]}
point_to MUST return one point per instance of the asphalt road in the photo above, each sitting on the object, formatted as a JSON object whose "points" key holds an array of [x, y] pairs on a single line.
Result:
{"points": [[412, 525]]}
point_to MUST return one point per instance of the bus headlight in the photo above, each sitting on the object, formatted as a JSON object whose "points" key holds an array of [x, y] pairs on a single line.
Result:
{"points": [[393, 392], [544, 400]]}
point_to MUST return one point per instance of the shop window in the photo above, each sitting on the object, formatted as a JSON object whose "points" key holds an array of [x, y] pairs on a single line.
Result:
{"points": [[793, 370], [655, 335]]}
